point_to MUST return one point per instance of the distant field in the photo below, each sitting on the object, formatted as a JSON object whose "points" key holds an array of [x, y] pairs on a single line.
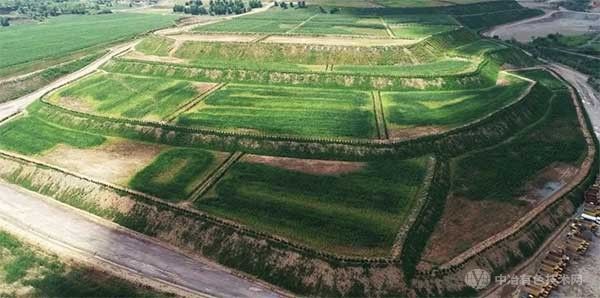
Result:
{"points": [[31, 135], [447, 108], [285, 110], [358, 212], [174, 174], [128, 96], [391, 3], [59, 36]]}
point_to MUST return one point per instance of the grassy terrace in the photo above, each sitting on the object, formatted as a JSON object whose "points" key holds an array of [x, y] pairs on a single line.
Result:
{"points": [[356, 213], [174, 174], [448, 108], [60, 36], [500, 172], [32, 135], [128, 96], [285, 110]]}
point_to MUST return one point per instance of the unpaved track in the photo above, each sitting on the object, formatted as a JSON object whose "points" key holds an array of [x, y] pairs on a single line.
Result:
{"points": [[21, 103], [58, 227]]}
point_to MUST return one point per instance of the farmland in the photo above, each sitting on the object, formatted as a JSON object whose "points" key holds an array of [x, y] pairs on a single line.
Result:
{"points": [[54, 38], [129, 96], [297, 111], [357, 212], [352, 152]]}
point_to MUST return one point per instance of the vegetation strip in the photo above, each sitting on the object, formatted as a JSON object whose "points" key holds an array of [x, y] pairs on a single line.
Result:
{"points": [[191, 104], [524, 221], [379, 115], [421, 201], [215, 176]]}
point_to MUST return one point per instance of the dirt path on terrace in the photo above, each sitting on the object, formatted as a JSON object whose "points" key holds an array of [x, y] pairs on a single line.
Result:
{"points": [[340, 41], [307, 166]]}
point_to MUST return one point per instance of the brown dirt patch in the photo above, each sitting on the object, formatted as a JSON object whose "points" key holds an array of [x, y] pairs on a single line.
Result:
{"points": [[414, 132], [204, 87], [165, 59], [550, 180], [72, 103], [339, 41], [116, 161], [308, 166], [466, 223]]}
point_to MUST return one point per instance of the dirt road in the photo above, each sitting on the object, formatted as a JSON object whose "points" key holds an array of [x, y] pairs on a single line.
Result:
{"points": [[61, 229], [21, 103]]}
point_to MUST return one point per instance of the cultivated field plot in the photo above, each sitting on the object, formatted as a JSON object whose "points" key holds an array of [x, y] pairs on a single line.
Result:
{"points": [[129, 96], [313, 21], [423, 112], [285, 111], [60, 36], [32, 135], [176, 173], [343, 207]]}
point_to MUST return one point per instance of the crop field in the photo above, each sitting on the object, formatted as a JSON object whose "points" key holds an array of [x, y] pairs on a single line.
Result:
{"points": [[55, 37], [287, 111], [174, 174], [405, 110], [128, 96], [356, 212], [32, 135]]}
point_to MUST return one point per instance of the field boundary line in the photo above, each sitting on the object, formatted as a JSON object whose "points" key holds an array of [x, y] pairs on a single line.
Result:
{"points": [[13, 115], [215, 176], [192, 103], [379, 117], [584, 170], [301, 24], [422, 196], [261, 38], [387, 28]]}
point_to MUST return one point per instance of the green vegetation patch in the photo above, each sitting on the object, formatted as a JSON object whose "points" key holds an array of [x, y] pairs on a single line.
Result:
{"points": [[155, 45], [356, 213], [22, 268], [501, 172], [10, 90], [285, 110], [32, 135], [174, 174], [61, 35], [448, 108], [127, 96], [438, 68], [543, 77]]}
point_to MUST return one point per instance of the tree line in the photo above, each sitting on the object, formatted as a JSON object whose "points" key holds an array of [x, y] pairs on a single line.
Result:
{"points": [[37, 9], [216, 7]]}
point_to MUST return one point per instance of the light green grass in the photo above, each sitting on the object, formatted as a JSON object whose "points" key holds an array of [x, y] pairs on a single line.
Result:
{"points": [[448, 108], [437, 68], [155, 45], [285, 110], [174, 174], [418, 31], [357, 213], [31, 135], [62, 35], [128, 96]]}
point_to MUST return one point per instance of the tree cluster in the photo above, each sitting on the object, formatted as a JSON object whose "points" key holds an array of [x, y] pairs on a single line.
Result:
{"points": [[216, 7], [285, 5], [4, 22], [40, 9]]}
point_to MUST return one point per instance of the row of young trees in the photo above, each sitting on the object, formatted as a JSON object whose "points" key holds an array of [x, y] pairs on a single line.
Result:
{"points": [[216, 7], [285, 5]]}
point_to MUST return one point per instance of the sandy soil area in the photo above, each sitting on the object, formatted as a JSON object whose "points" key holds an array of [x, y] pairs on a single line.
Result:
{"points": [[164, 59], [215, 37], [115, 161], [308, 166]]}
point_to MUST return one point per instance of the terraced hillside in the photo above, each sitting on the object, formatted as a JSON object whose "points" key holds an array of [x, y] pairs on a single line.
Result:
{"points": [[354, 154]]}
